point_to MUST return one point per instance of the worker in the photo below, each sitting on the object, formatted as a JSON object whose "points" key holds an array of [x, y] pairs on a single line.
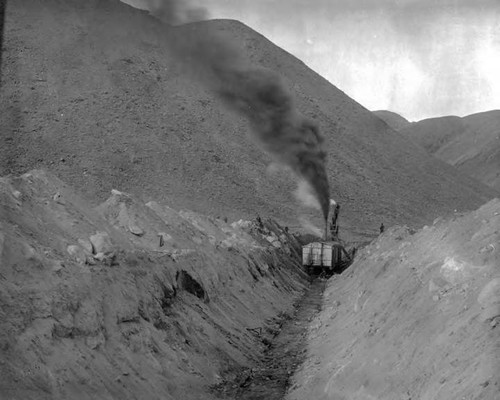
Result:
{"points": [[260, 224], [337, 210], [334, 229], [382, 228]]}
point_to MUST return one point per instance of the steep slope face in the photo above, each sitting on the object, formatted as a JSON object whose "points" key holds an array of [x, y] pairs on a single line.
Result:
{"points": [[415, 317], [93, 94], [131, 301], [471, 143], [394, 120]]}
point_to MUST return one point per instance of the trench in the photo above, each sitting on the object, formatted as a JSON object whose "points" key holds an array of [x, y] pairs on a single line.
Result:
{"points": [[286, 350]]}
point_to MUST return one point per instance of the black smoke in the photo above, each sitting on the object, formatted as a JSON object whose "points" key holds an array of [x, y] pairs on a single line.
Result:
{"points": [[256, 93]]}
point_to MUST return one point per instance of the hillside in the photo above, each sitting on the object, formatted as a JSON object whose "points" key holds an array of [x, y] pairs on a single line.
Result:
{"points": [[93, 94], [394, 120], [471, 143], [434, 133], [415, 317], [130, 300]]}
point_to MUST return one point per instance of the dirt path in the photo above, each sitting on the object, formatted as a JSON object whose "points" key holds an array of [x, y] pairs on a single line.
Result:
{"points": [[286, 349]]}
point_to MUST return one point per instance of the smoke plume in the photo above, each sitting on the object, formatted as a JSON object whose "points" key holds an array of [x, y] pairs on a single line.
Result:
{"points": [[310, 227], [305, 194], [255, 93]]}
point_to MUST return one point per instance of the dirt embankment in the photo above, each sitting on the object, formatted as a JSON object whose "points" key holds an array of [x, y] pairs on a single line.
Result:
{"points": [[128, 300], [415, 317]]}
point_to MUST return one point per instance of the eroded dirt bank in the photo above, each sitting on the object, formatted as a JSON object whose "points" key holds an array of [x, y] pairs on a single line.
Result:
{"points": [[416, 317], [132, 301]]}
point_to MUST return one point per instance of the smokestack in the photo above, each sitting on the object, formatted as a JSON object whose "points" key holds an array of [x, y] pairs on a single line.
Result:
{"points": [[255, 93]]}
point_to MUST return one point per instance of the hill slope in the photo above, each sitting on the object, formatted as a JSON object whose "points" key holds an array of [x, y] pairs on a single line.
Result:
{"points": [[471, 143], [93, 94], [415, 317], [94, 305]]}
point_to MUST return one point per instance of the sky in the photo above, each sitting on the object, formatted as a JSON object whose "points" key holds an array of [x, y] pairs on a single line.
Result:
{"points": [[419, 58]]}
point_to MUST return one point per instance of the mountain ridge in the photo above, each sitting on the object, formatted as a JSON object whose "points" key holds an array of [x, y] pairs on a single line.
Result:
{"points": [[393, 119], [470, 143]]}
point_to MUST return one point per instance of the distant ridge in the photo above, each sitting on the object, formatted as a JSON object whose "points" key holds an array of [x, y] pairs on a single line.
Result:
{"points": [[392, 119], [471, 143]]}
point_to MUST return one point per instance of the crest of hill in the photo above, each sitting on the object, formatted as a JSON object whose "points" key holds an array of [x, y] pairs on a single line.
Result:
{"points": [[93, 94], [394, 120], [471, 143]]}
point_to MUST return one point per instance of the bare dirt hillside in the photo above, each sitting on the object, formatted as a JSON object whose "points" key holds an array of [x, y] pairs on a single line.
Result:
{"points": [[415, 317], [131, 300], [471, 143], [92, 94], [394, 120]]}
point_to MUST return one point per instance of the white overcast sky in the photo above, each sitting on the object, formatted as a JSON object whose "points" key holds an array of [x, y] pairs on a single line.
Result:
{"points": [[419, 58]]}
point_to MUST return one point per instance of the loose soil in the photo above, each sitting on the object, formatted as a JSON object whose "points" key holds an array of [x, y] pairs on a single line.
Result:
{"points": [[287, 342]]}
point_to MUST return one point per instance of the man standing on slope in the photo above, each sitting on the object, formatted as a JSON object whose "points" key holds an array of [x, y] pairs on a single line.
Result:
{"points": [[334, 211]]}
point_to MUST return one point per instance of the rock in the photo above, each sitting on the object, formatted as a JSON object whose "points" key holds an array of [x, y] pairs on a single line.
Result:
{"points": [[453, 270], [134, 229], [163, 237], [490, 294], [86, 319], [437, 284], [108, 258], [58, 199], [86, 245], [95, 341], [101, 243], [90, 260], [241, 224], [437, 220], [77, 253], [487, 249], [57, 266], [127, 221]]}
